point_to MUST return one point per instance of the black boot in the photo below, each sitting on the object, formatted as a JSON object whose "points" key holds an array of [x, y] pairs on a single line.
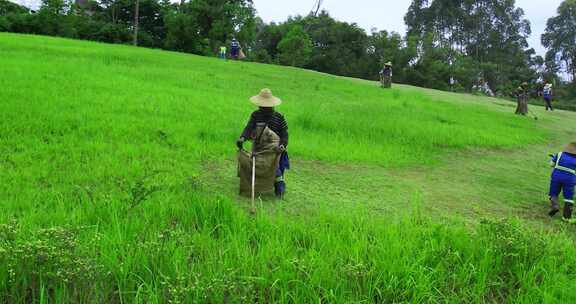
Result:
{"points": [[567, 212], [280, 189], [554, 206]]}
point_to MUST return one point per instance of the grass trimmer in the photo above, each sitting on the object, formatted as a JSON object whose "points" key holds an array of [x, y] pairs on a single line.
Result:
{"points": [[253, 156], [259, 131]]}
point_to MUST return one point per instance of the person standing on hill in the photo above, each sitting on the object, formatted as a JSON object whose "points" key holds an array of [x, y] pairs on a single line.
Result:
{"points": [[223, 51], [235, 49], [547, 93], [386, 75], [522, 99], [275, 122], [563, 180]]}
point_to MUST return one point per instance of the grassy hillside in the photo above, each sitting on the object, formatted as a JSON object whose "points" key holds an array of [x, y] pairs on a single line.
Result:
{"points": [[118, 185]]}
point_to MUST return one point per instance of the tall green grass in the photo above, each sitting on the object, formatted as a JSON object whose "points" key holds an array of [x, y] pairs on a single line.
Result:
{"points": [[206, 250], [77, 115], [101, 149], [149, 99]]}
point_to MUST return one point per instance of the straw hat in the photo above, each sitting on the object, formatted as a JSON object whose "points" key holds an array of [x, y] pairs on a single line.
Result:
{"points": [[389, 63], [570, 148], [265, 99]]}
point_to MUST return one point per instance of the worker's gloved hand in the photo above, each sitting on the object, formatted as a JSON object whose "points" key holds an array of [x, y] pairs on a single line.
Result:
{"points": [[240, 142], [281, 148]]}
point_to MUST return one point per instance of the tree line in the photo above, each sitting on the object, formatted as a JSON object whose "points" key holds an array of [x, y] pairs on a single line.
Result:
{"points": [[458, 45]]}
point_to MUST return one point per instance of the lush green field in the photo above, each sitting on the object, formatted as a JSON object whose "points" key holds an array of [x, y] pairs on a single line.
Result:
{"points": [[117, 181]]}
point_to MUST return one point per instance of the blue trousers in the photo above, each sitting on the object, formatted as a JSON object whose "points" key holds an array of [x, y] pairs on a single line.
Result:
{"points": [[284, 164], [548, 100], [557, 186]]}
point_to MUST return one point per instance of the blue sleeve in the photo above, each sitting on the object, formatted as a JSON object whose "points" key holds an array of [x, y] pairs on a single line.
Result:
{"points": [[553, 160], [250, 126]]}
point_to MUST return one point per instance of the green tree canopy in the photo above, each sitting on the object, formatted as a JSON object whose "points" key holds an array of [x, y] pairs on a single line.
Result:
{"points": [[295, 48], [560, 39], [491, 32]]}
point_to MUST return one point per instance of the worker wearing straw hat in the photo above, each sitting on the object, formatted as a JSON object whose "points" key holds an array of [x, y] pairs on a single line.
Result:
{"points": [[563, 180], [276, 122], [386, 75]]}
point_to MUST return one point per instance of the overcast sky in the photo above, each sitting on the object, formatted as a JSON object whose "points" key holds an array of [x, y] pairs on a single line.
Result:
{"points": [[389, 14]]}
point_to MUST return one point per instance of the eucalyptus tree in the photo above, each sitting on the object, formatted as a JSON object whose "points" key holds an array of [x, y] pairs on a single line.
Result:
{"points": [[560, 39], [493, 33]]}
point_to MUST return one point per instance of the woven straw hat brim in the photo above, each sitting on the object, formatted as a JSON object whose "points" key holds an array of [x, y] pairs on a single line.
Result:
{"points": [[266, 102]]}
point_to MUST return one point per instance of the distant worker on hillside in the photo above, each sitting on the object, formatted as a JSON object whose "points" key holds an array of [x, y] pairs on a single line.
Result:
{"points": [[268, 131], [563, 180], [235, 49], [522, 98], [386, 75], [547, 93], [223, 51]]}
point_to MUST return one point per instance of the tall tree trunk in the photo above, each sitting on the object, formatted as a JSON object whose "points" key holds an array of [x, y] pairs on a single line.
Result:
{"points": [[573, 65], [136, 17], [114, 12]]}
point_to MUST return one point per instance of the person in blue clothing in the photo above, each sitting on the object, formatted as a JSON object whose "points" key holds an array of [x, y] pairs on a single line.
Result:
{"points": [[235, 49], [563, 180]]}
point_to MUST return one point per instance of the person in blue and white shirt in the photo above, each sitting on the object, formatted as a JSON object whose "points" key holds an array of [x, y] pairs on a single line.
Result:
{"points": [[235, 49], [563, 180], [547, 93]]}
